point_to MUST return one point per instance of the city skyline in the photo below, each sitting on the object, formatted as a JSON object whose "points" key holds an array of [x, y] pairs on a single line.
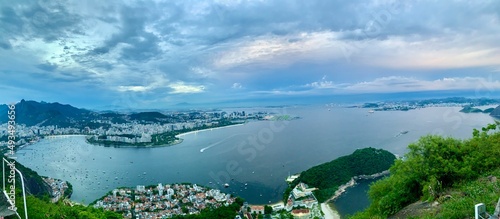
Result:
{"points": [[155, 54]]}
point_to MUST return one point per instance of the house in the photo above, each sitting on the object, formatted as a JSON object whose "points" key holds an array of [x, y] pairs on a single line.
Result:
{"points": [[301, 213], [258, 209]]}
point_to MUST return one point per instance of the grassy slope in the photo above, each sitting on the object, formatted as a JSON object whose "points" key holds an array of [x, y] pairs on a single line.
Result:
{"points": [[450, 171], [459, 201]]}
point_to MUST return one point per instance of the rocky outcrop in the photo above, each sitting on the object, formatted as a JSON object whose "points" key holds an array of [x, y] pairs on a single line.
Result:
{"points": [[353, 182]]}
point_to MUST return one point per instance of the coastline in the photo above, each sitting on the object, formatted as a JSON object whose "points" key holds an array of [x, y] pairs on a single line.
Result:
{"points": [[208, 129], [178, 141], [330, 213], [146, 146], [352, 183]]}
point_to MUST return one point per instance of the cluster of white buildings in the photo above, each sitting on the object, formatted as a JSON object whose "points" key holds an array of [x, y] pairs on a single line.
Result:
{"points": [[133, 131], [301, 196], [397, 106], [58, 188], [163, 201]]}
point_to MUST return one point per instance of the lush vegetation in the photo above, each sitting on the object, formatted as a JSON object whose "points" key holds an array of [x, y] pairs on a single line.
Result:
{"points": [[40, 206], [43, 208], [460, 200], [34, 182], [329, 176], [436, 166]]}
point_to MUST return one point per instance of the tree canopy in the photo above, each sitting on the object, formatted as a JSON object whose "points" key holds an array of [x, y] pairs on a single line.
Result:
{"points": [[329, 176], [432, 165]]}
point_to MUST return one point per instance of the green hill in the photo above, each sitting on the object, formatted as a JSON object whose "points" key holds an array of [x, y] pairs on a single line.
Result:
{"points": [[329, 176], [38, 201], [448, 172], [470, 109], [34, 183], [149, 116], [496, 112]]}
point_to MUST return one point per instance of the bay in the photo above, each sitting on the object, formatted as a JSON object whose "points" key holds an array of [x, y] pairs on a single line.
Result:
{"points": [[254, 158], [354, 199]]}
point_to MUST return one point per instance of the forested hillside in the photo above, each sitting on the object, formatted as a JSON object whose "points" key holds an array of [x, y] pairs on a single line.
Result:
{"points": [[447, 170], [329, 176]]}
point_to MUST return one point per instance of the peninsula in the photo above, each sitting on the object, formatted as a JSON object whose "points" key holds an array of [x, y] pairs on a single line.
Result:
{"points": [[327, 181], [37, 120]]}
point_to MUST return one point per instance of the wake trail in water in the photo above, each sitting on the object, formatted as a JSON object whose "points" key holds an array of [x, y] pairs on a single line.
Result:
{"points": [[219, 142]]}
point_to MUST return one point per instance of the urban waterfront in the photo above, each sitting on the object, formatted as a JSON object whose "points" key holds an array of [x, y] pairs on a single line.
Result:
{"points": [[254, 159]]}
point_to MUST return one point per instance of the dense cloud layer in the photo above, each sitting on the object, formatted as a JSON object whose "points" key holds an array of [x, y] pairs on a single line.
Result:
{"points": [[158, 53]]}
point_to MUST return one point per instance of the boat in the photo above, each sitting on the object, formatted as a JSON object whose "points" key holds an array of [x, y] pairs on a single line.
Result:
{"points": [[371, 111], [401, 133], [226, 185]]}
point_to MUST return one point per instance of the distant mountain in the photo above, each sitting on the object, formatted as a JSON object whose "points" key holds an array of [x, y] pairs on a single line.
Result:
{"points": [[3, 111], [469, 109], [45, 114], [489, 110], [114, 117], [183, 104], [496, 112], [148, 116]]}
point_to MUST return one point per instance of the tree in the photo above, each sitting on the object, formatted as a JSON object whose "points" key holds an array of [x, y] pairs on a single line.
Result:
{"points": [[268, 209], [433, 165]]}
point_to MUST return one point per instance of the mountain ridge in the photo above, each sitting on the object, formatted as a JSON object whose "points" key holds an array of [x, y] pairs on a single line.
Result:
{"points": [[32, 113]]}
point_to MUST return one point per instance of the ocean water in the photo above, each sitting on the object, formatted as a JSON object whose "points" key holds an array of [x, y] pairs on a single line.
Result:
{"points": [[354, 199], [254, 158]]}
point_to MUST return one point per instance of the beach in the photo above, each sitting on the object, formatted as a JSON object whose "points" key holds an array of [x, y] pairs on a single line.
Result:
{"points": [[207, 129], [329, 212]]}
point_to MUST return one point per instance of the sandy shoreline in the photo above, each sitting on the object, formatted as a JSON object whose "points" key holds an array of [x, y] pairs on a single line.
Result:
{"points": [[207, 129], [329, 212]]}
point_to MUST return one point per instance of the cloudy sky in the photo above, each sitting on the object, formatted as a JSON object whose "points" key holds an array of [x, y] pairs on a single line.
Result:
{"points": [[156, 53]]}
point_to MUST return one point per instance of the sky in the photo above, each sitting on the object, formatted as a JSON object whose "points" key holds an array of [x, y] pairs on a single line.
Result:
{"points": [[156, 54]]}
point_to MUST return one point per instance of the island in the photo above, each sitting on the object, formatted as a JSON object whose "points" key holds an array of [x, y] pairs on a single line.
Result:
{"points": [[470, 109], [496, 112]]}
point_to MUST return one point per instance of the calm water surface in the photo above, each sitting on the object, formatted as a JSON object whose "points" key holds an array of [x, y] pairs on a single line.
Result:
{"points": [[259, 154]]}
